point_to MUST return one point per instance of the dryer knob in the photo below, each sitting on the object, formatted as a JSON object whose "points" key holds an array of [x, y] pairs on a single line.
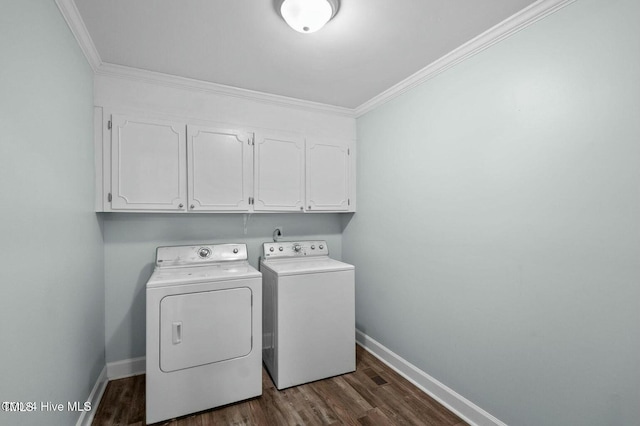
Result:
{"points": [[235, 250], [270, 248], [297, 247], [321, 246], [280, 248]]}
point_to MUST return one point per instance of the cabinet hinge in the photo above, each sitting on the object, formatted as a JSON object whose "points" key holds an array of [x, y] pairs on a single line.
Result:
{"points": [[109, 197], [109, 124]]}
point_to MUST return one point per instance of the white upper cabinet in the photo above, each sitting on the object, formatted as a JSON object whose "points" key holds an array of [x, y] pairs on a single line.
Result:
{"points": [[220, 169], [146, 163], [328, 175], [148, 159], [279, 172]]}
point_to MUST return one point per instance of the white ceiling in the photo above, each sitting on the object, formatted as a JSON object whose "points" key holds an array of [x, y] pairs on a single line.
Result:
{"points": [[368, 47]]}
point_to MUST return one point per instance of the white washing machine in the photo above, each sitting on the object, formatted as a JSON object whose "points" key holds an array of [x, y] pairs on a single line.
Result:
{"points": [[204, 334], [308, 313]]}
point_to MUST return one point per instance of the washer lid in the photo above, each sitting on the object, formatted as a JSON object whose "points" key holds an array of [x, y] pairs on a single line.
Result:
{"points": [[309, 265], [164, 276]]}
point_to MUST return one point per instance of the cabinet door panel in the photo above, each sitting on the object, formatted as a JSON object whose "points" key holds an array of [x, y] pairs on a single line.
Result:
{"points": [[148, 164], [220, 168], [328, 171], [279, 172]]}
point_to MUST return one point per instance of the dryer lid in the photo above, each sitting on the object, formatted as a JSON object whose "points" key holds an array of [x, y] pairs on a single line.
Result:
{"points": [[164, 276]]}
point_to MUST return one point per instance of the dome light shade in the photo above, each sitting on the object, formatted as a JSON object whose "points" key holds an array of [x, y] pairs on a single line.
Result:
{"points": [[308, 16]]}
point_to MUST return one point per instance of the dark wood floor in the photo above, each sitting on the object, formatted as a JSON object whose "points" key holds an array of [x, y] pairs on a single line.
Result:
{"points": [[372, 395]]}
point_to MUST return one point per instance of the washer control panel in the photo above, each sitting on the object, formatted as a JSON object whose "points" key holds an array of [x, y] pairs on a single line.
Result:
{"points": [[199, 255], [295, 249]]}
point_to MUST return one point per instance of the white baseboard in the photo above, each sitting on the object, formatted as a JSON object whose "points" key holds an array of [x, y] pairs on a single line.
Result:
{"points": [[455, 402], [126, 368], [112, 371], [86, 417]]}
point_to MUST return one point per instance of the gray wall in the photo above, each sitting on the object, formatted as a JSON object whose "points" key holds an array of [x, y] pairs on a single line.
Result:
{"points": [[507, 192], [130, 245], [51, 250]]}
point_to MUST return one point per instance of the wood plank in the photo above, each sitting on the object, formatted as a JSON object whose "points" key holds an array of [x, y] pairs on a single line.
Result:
{"points": [[322, 412], [375, 417], [138, 396], [419, 402], [343, 399]]}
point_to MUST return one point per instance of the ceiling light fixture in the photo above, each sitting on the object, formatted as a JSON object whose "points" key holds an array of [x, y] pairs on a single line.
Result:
{"points": [[308, 16]]}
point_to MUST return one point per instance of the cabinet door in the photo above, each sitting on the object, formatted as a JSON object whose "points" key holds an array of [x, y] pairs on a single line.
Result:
{"points": [[328, 170], [148, 164], [279, 172], [219, 168]]}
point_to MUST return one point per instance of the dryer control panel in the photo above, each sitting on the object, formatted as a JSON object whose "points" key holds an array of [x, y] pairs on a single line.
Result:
{"points": [[199, 255], [295, 249]]}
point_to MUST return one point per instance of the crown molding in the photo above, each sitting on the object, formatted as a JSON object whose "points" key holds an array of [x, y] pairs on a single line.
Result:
{"points": [[157, 78], [497, 33], [71, 14]]}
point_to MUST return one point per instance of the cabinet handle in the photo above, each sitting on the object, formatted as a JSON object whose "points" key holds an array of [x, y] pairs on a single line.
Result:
{"points": [[180, 205], [192, 206]]}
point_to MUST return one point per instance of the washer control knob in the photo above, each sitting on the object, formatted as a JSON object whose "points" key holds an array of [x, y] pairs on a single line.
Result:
{"points": [[313, 247], [271, 248], [280, 248], [297, 248], [235, 250], [321, 247], [204, 252]]}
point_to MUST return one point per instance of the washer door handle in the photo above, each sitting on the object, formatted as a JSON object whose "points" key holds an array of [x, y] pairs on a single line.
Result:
{"points": [[177, 333]]}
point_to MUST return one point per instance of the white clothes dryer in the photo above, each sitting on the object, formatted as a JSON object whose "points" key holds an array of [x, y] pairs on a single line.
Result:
{"points": [[308, 313], [204, 334]]}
